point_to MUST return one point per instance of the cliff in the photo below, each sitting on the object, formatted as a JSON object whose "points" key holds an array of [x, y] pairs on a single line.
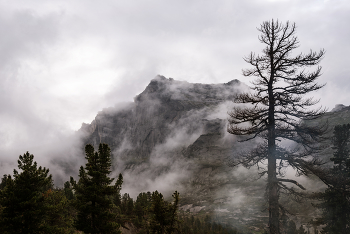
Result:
{"points": [[133, 130], [173, 137]]}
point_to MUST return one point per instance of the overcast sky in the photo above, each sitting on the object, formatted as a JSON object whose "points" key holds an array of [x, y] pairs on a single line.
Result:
{"points": [[63, 61]]}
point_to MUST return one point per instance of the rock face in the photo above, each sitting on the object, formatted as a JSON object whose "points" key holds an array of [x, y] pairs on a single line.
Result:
{"points": [[173, 137], [169, 119], [135, 129], [340, 107]]}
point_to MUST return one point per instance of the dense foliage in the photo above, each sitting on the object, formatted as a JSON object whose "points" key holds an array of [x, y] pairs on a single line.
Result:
{"points": [[30, 204], [94, 191], [23, 198], [335, 201]]}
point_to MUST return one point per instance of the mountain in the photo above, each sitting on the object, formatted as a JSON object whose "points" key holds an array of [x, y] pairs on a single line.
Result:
{"points": [[173, 137], [135, 129]]}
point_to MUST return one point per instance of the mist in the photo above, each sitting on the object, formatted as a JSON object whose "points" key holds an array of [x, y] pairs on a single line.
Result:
{"points": [[63, 62], [66, 67]]}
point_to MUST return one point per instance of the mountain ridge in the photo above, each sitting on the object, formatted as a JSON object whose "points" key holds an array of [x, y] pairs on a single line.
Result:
{"points": [[162, 104], [173, 137]]}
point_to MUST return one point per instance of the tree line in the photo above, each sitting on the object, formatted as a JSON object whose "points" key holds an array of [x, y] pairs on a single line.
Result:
{"points": [[29, 203]]}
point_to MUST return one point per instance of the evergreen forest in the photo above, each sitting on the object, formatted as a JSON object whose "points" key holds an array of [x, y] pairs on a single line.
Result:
{"points": [[30, 203]]}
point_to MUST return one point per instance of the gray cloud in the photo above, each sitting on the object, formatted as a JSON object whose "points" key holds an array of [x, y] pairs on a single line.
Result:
{"points": [[62, 62]]}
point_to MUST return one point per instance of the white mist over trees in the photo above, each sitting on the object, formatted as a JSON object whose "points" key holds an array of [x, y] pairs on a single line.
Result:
{"points": [[278, 111]]}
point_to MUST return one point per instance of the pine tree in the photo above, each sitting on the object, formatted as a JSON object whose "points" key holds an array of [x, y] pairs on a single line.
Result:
{"points": [[68, 191], [59, 215], [94, 193], [277, 111], [118, 186], [22, 198], [4, 181], [341, 156], [164, 214], [173, 207], [142, 204], [127, 205], [336, 198]]}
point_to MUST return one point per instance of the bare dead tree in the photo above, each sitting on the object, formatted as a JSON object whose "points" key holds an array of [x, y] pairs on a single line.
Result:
{"points": [[278, 111]]}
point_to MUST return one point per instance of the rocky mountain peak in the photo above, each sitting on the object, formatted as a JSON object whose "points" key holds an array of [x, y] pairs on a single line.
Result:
{"points": [[340, 107], [173, 137], [163, 89], [164, 105]]}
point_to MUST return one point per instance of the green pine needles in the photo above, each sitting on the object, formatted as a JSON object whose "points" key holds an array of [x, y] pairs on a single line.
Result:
{"points": [[341, 155], [30, 204], [22, 198], [336, 198], [94, 193], [335, 201]]}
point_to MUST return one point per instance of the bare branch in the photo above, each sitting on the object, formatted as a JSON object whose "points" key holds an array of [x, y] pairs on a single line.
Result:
{"points": [[278, 111], [292, 181]]}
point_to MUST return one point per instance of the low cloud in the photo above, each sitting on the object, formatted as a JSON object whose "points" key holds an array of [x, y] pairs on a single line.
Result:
{"points": [[166, 169], [62, 62]]}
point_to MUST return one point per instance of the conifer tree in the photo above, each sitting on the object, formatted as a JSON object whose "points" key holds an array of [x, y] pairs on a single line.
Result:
{"points": [[4, 181], [141, 206], [68, 191], [173, 207], [127, 205], [164, 214], [118, 185], [22, 197], [277, 111], [94, 193], [336, 198], [341, 156], [59, 214]]}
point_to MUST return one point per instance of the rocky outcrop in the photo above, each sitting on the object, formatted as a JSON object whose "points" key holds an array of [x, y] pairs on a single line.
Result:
{"points": [[340, 107], [134, 130], [173, 137]]}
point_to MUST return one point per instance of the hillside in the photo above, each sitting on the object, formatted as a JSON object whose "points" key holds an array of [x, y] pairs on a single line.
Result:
{"points": [[173, 137]]}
